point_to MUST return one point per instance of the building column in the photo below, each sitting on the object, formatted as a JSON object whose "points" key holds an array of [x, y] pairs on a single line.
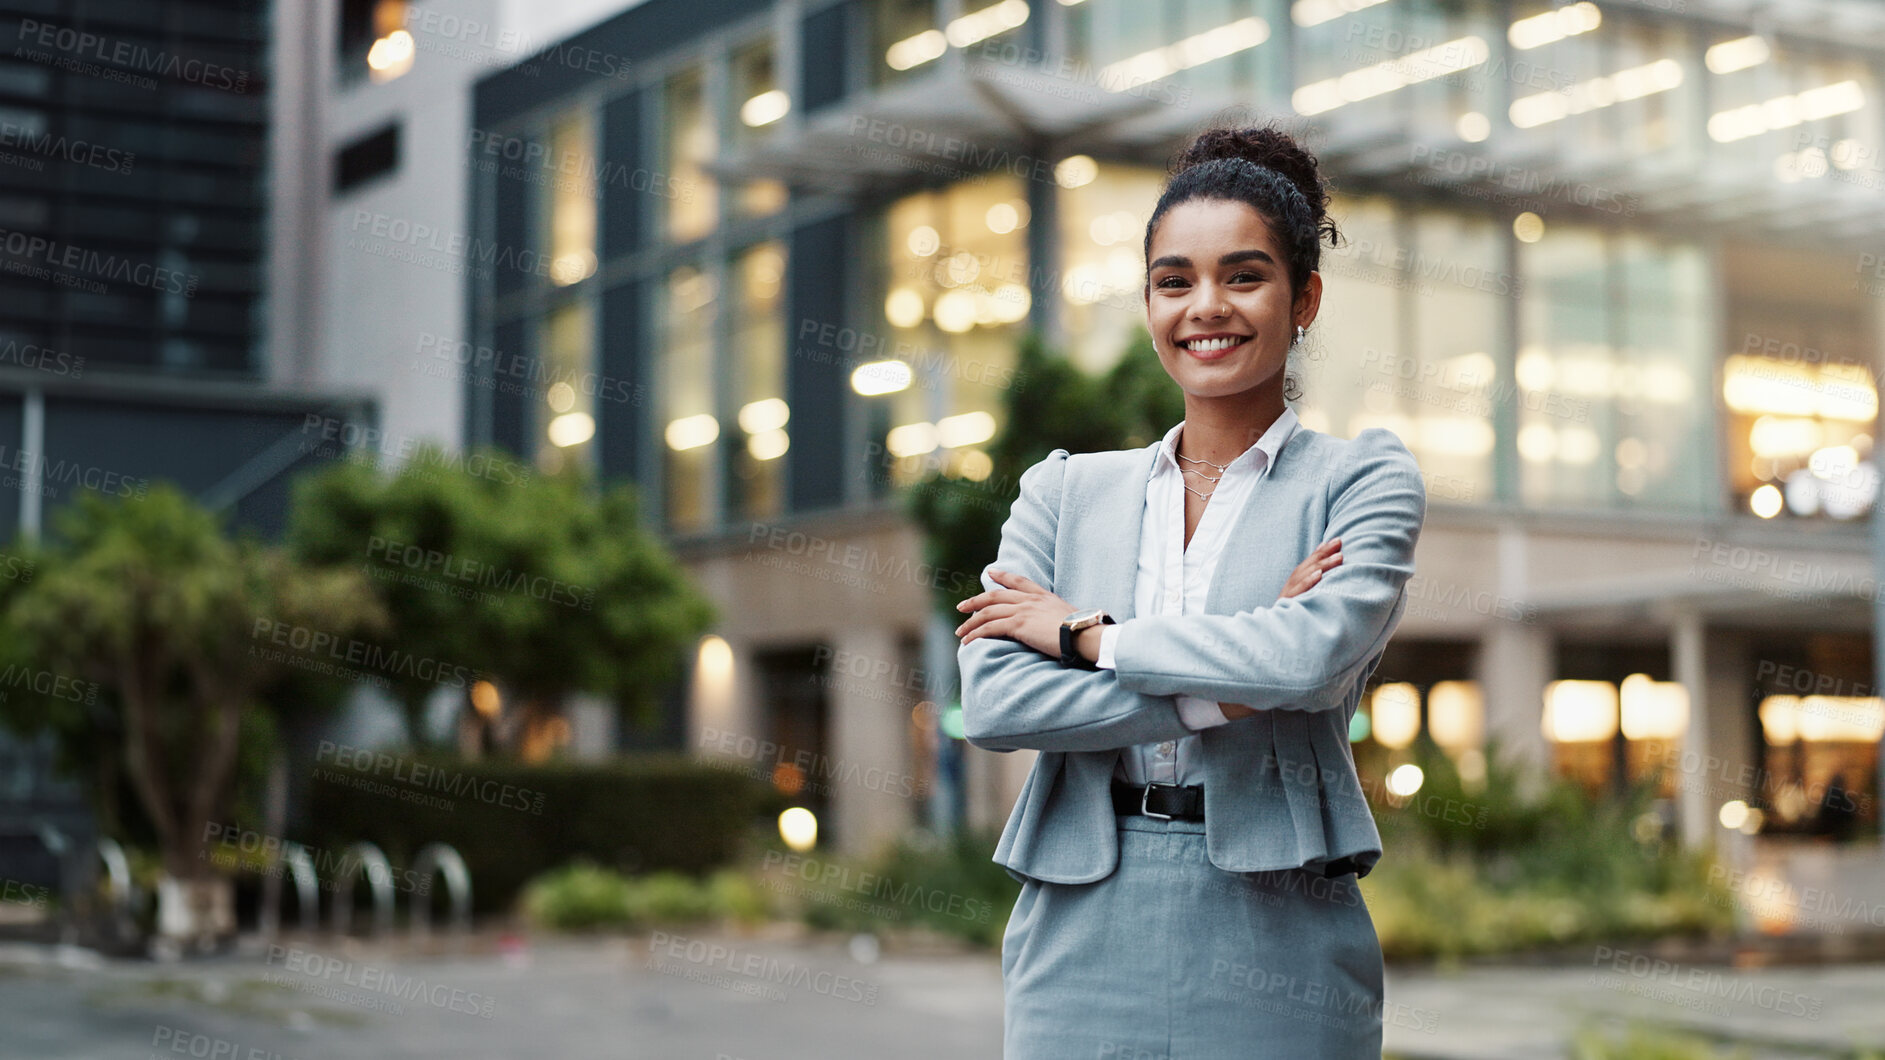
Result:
{"points": [[869, 736], [1515, 664], [1688, 655]]}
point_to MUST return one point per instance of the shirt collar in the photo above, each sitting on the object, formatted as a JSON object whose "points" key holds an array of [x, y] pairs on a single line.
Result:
{"points": [[1262, 454]]}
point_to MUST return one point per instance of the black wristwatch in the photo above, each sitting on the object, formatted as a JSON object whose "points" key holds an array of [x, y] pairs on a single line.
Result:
{"points": [[1070, 628]]}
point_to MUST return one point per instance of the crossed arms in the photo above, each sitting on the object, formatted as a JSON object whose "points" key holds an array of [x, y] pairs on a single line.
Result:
{"points": [[1300, 653]]}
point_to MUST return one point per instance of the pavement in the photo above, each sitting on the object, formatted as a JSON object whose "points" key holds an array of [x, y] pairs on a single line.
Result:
{"points": [[784, 994]]}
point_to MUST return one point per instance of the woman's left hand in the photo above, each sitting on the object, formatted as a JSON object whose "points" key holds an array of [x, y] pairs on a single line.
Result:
{"points": [[1022, 610]]}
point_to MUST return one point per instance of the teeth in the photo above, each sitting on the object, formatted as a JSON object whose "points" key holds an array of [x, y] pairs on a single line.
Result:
{"points": [[1207, 345]]}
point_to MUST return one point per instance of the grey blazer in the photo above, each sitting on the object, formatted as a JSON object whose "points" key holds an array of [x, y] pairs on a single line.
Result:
{"points": [[1280, 788]]}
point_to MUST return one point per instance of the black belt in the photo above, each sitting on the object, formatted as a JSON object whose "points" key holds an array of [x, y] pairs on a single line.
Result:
{"points": [[1163, 801]]}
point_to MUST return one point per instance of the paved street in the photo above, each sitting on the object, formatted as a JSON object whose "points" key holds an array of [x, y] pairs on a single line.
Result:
{"points": [[716, 997]]}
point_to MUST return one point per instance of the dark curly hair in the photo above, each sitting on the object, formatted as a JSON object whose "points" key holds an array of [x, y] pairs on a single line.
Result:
{"points": [[1266, 168]]}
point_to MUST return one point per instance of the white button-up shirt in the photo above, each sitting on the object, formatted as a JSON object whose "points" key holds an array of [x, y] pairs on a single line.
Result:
{"points": [[1174, 579]]}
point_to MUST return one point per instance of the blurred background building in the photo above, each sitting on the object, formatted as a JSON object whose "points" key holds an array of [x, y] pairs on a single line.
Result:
{"points": [[1612, 271]]}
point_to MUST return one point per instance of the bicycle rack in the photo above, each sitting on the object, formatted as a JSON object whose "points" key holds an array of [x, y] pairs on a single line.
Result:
{"points": [[364, 856], [442, 860]]}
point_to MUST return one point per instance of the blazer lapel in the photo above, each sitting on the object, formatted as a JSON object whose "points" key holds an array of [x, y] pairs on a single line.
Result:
{"points": [[1237, 572], [1120, 503]]}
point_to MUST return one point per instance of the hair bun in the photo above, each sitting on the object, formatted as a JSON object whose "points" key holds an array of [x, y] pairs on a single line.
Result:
{"points": [[1267, 146]]}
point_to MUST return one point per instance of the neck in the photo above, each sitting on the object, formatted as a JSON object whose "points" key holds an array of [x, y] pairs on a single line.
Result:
{"points": [[1222, 429]]}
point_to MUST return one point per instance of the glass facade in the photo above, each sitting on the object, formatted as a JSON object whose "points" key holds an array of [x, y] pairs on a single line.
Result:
{"points": [[565, 412], [1102, 246], [759, 103], [688, 139], [954, 298], [759, 378], [132, 190], [686, 408], [1408, 338], [1529, 349], [1613, 372]]}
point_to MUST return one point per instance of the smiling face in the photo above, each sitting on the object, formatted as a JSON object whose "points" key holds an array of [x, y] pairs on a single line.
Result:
{"points": [[1217, 273]]}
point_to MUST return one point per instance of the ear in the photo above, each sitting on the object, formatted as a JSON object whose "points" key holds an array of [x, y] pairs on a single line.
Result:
{"points": [[1308, 300]]}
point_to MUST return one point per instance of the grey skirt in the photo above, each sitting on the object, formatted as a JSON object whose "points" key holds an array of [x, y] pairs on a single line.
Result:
{"points": [[1173, 958]]}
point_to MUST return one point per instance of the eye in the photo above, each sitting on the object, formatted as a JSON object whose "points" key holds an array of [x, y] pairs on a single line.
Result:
{"points": [[1245, 272], [1163, 281]]}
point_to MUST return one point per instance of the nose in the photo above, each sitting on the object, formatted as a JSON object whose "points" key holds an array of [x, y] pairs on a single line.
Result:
{"points": [[1209, 305]]}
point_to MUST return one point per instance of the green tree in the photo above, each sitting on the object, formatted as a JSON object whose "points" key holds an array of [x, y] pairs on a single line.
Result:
{"points": [[1053, 404], [541, 583], [138, 643]]}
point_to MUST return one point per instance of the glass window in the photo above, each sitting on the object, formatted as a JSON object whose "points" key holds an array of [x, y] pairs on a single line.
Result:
{"points": [[955, 304], [1458, 319], [1613, 370], [565, 414], [1568, 49], [759, 345], [373, 41], [689, 139], [1102, 284], [1563, 369], [689, 426], [1661, 451], [905, 40], [1799, 402], [1388, 61], [759, 103], [1351, 351], [572, 199], [1407, 338], [1819, 752], [1456, 81], [1787, 113]]}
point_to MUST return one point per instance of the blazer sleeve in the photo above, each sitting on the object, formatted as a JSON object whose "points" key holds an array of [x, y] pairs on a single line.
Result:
{"points": [[1306, 652], [1015, 697]]}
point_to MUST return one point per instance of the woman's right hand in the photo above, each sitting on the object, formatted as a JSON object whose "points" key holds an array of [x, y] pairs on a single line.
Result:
{"points": [[1306, 576], [1309, 571]]}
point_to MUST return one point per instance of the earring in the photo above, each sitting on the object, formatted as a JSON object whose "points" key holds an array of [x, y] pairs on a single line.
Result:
{"points": [[1299, 334]]}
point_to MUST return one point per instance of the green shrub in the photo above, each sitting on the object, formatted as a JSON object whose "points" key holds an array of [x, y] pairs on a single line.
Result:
{"points": [[949, 885], [1643, 1043], [583, 897], [578, 897], [1491, 870], [635, 815]]}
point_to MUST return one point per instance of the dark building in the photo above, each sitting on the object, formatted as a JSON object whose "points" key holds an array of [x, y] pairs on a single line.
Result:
{"points": [[133, 228]]}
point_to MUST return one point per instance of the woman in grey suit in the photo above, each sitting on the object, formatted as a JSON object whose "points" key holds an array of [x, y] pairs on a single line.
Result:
{"points": [[1189, 838]]}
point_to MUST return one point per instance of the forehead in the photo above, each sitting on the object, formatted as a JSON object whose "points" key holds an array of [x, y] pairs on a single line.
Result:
{"points": [[1215, 225]]}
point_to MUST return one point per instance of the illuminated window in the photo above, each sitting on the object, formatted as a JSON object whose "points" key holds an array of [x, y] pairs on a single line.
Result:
{"points": [[1446, 292], [905, 40], [1799, 406], [954, 304], [1102, 280], [1612, 371], [1137, 49], [572, 199], [1818, 752], [373, 40], [689, 427], [564, 409], [763, 417], [760, 104], [689, 137]]}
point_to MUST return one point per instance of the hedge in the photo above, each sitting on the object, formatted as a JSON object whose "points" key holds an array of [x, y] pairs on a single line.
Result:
{"points": [[512, 821]]}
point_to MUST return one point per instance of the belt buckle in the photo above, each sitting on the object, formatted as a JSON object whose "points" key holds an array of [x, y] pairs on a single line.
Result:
{"points": [[1145, 796]]}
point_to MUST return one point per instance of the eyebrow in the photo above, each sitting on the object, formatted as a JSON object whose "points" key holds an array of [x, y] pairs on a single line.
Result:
{"points": [[1181, 262]]}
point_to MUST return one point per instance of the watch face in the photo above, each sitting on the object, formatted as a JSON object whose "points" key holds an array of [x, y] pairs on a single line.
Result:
{"points": [[1078, 617]]}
